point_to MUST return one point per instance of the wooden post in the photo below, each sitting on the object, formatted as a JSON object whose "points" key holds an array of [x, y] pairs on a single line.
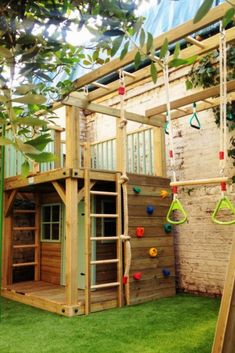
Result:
{"points": [[7, 246], [159, 154], [37, 239], [224, 341], [87, 198], [72, 161], [119, 146], [57, 147]]}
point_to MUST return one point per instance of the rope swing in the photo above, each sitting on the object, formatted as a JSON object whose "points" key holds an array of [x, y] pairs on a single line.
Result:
{"points": [[176, 204], [224, 202], [124, 179]]}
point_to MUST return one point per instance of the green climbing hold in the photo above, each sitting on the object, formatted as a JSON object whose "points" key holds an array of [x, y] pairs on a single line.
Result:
{"points": [[167, 227], [137, 189], [224, 203], [176, 206]]}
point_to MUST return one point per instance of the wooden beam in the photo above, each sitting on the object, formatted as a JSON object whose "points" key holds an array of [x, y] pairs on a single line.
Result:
{"points": [[37, 253], [79, 100], [81, 193], [60, 190], [173, 35], [195, 42], [194, 97], [57, 148], [144, 74], [224, 341], [201, 181], [20, 182], [9, 202]]}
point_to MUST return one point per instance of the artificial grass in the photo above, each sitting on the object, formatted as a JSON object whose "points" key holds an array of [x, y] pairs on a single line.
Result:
{"points": [[182, 324]]}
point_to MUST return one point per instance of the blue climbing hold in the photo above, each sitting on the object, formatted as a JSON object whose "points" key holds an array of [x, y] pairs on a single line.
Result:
{"points": [[166, 272], [150, 209]]}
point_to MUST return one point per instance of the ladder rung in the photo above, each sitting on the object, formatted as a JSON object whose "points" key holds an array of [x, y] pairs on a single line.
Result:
{"points": [[25, 246], [106, 193], [103, 238], [103, 215], [21, 264], [105, 285], [24, 211], [100, 262], [25, 228]]}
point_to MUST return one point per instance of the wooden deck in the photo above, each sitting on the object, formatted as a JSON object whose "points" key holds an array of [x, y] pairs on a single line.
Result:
{"points": [[51, 297]]}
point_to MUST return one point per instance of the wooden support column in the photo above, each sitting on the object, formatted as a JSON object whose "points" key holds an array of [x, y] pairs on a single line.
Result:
{"points": [[119, 147], [57, 148], [224, 341], [72, 161], [37, 272], [159, 154], [7, 245]]}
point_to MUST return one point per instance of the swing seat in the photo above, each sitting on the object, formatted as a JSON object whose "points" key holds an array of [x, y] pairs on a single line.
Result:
{"points": [[176, 206], [166, 128], [194, 122], [224, 203]]}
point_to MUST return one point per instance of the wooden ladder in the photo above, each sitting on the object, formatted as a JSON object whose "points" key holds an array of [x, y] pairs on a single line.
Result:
{"points": [[224, 341], [89, 239], [23, 246]]}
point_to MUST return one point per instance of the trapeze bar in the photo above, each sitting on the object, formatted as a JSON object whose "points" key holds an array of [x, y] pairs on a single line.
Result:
{"points": [[201, 181]]}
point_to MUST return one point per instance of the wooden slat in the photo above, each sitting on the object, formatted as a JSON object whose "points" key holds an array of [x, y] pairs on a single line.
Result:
{"points": [[190, 99], [15, 211], [24, 228], [103, 193], [103, 238], [37, 253], [103, 215], [173, 35]]}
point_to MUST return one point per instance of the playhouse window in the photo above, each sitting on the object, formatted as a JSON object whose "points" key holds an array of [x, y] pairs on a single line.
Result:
{"points": [[51, 222]]}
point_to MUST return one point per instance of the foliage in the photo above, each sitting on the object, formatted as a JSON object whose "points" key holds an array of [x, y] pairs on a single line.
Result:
{"points": [[35, 55], [205, 72], [207, 5], [179, 324]]}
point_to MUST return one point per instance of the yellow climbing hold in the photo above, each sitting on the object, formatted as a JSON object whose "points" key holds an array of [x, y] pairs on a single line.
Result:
{"points": [[164, 194]]}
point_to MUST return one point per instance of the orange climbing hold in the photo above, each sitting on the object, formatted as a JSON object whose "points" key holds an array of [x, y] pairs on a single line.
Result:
{"points": [[164, 194], [153, 252]]}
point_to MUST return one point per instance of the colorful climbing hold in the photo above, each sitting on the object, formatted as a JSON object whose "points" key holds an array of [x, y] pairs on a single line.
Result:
{"points": [[166, 272], [153, 252], [139, 232], [150, 209], [167, 227], [164, 194], [137, 189], [137, 276]]}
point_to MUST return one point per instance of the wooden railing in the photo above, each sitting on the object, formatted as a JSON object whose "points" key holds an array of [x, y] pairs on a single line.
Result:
{"points": [[141, 154]]}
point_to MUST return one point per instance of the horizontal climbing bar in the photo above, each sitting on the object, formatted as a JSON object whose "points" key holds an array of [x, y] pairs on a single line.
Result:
{"points": [[21, 264], [103, 215], [100, 262], [201, 181], [103, 238], [100, 85], [103, 193], [105, 285], [25, 246]]}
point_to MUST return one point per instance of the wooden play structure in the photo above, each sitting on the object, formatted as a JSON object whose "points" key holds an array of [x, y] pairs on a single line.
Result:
{"points": [[81, 237]]}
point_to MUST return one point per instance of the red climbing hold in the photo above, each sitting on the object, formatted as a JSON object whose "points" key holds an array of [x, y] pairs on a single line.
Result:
{"points": [[137, 276], [139, 232], [223, 186], [221, 155]]}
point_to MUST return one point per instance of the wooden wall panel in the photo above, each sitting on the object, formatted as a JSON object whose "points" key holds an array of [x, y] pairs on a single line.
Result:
{"points": [[153, 284], [50, 262]]}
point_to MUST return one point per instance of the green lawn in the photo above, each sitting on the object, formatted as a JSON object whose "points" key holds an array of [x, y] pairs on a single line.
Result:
{"points": [[183, 324]]}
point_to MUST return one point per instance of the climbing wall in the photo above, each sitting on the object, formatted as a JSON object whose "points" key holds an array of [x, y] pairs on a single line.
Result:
{"points": [[152, 272]]}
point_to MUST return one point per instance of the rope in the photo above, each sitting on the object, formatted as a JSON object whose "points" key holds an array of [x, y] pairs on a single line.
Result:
{"points": [[124, 180], [169, 122], [223, 105]]}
